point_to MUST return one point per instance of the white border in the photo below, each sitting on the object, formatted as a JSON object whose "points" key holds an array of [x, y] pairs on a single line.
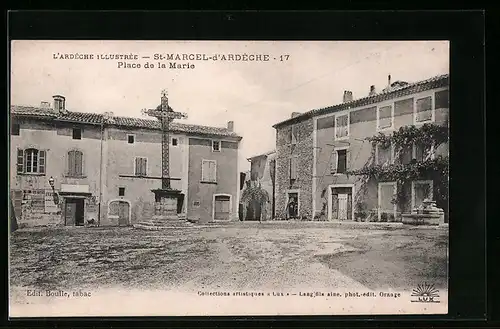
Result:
{"points": [[330, 198], [230, 206], [430, 182], [395, 191]]}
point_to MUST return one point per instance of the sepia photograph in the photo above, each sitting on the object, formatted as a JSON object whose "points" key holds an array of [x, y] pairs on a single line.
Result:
{"points": [[238, 178]]}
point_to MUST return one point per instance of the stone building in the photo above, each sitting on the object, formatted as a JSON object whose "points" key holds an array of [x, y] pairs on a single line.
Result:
{"points": [[262, 173], [103, 167], [318, 149]]}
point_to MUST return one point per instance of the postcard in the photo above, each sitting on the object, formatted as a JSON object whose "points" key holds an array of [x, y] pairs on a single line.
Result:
{"points": [[205, 178]]}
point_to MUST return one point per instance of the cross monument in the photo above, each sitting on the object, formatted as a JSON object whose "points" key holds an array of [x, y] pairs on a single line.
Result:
{"points": [[165, 197]]}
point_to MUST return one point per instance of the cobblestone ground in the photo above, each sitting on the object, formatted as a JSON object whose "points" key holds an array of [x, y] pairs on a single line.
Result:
{"points": [[238, 256]]}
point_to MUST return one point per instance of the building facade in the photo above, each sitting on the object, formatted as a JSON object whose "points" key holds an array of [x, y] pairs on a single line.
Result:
{"points": [[71, 168], [320, 152], [262, 173]]}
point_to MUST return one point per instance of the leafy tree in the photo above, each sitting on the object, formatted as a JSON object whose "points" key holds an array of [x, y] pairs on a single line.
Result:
{"points": [[254, 195]]}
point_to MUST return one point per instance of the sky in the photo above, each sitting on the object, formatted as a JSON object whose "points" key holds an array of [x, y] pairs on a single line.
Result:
{"points": [[253, 94]]}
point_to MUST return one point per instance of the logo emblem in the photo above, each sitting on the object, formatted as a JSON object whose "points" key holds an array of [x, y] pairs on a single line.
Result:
{"points": [[425, 293]]}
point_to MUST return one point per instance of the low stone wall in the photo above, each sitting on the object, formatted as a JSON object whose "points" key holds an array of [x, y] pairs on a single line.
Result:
{"points": [[423, 219]]}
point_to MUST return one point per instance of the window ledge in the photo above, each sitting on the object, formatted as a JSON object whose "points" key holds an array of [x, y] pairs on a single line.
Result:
{"points": [[74, 176], [205, 182], [31, 174]]}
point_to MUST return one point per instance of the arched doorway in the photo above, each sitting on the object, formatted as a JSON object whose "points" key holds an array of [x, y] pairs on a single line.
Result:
{"points": [[119, 212]]}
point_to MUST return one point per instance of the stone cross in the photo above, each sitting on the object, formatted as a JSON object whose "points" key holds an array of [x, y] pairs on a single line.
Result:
{"points": [[165, 114]]}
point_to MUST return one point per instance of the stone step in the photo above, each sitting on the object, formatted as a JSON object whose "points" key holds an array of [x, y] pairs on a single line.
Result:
{"points": [[149, 225]]}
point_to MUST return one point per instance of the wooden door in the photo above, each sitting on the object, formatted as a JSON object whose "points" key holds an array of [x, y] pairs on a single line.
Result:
{"points": [[342, 211], [123, 214], [70, 212], [222, 206]]}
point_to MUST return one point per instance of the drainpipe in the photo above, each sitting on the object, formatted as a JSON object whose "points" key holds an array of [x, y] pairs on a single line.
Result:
{"points": [[100, 175]]}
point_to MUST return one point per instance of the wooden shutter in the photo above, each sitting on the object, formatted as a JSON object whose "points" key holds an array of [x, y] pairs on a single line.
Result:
{"points": [[79, 163], [333, 163], [137, 166], [42, 163], [205, 171], [347, 160], [71, 163], [212, 171], [20, 161], [144, 167]]}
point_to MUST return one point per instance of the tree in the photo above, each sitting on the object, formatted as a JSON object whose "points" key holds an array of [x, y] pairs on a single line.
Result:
{"points": [[254, 195]]}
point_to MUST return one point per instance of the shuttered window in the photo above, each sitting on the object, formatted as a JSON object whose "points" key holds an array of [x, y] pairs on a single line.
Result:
{"points": [[384, 117], [384, 155], [342, 126], [293, 167], [209, 171], [31, 161], [75, 163], [141, 165], [424, 109]]}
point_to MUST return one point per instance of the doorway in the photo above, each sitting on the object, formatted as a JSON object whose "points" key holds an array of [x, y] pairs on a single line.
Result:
{"points": [[341, 206], [222, 207], [292, 208], [74, 212]]}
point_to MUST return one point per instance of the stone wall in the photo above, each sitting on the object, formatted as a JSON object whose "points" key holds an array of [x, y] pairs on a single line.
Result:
{"points": [[303, 151]]}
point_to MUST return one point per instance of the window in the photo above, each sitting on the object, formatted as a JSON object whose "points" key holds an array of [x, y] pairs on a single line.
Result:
{"points": [[293, 135], [77, 133], [342, 126], [216, 146], [406, 155], [386, 207], [131, 139], [341, 161], [424, 110], [75, 163], [15, 129], [384, 155], [421, 190], [121, 191], [31, 161], [174, 141], [293, 168], [385, 117], [423, 152], [141, 166], [209, 171]]}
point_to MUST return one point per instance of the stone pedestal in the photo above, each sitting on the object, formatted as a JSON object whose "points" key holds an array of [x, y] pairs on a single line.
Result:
{"points": [[427, 214], [165, 212]]}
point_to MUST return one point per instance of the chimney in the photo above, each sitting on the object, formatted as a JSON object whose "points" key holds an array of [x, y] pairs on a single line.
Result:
{"points": [[347, 96], [59, 103], [230, 126], [372, 90], [389, 81], [295, 114], [45, 105]]}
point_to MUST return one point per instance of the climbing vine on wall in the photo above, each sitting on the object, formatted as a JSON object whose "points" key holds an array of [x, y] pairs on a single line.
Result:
{"points": [[435, 169]]}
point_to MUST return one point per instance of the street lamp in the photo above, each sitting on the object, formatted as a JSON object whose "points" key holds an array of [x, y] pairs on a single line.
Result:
{"points": [[55, 196]]}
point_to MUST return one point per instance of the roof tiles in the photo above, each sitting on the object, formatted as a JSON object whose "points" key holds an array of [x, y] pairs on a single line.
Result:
{"points": [[411, 88], [96, 118]]}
